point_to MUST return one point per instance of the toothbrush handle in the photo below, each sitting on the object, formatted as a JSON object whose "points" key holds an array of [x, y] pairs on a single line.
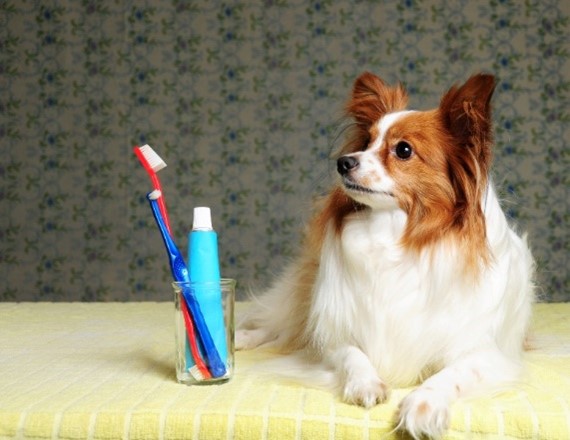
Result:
{"points": [[217, 367], [161, 203], [191, 335]]}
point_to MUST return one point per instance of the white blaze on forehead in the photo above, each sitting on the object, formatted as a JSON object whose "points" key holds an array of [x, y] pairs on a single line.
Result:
{"points": [[384, 124], [370, 162]]}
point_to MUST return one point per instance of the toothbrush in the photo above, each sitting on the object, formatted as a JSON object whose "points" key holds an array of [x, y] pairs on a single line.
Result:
{"points": [[180, 274], [199, 371], [152, 163]]}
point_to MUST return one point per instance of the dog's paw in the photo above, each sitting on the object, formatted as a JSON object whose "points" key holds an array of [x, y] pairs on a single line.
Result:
{"points": [[366, 391], [248, 339], [424, 413]]}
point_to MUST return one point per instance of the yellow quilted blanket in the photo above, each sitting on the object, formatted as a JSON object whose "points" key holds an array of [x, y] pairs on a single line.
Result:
{"points": [[106, 371]]}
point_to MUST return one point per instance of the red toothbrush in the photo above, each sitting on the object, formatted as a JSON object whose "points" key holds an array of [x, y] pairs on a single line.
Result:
{"points": [[152, 163]]}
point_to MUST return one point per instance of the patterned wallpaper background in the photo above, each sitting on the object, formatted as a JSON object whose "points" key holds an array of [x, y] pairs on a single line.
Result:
{"points": [[242, 100]]}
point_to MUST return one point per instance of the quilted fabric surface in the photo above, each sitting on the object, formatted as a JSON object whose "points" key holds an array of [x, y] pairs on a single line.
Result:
{"points": [[106, 371]]}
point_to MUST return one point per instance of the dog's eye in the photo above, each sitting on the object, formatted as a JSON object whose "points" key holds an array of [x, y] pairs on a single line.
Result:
{"points": [[403, 150]]}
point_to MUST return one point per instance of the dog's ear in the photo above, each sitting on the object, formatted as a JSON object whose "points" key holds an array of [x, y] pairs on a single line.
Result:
{"points": [[372, 98], [466, 112]]}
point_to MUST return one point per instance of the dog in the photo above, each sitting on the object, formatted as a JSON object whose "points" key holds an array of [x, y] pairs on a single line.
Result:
{"points": [[409, 272]]}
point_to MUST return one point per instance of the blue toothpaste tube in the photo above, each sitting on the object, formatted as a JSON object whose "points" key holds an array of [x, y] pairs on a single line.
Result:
{"points": [[204, 268]]}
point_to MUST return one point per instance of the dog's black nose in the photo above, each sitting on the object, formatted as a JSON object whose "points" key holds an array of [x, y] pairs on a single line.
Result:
{"points": [[345, 164]]}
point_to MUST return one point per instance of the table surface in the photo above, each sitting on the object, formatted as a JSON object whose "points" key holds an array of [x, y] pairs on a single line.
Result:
{"points": [[106, 370]]}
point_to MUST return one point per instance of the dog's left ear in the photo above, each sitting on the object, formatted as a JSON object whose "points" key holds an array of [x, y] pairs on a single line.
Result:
{"points": [[466, 111], [466, 114]]}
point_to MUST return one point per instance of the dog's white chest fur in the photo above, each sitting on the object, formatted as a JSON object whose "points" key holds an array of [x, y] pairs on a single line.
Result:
{"points": [[398, 308], [370, 294]]}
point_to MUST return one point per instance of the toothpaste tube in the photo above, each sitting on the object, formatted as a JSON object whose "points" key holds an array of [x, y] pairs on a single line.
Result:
{"points": [[204, 273]]}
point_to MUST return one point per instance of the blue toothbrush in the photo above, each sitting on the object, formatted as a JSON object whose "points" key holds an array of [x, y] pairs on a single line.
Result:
{"points": [[180, 274]]}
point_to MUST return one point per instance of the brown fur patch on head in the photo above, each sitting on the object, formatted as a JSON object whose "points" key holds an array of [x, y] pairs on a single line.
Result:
{"points": [[423, 187], [442, 185], [371, 99]]}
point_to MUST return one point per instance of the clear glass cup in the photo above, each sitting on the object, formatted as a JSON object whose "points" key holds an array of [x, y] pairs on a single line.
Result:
{"points": [[216, 303]]}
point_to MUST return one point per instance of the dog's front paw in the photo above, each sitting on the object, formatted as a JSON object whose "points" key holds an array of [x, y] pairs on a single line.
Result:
{"points": [[366, 390], [424, 413]]}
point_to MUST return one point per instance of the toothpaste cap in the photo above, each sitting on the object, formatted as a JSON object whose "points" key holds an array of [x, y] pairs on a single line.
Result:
{"points": [[202, 219]]}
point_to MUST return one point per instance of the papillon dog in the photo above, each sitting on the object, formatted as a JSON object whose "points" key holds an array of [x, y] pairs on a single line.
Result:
{"points": [[409, 273]]}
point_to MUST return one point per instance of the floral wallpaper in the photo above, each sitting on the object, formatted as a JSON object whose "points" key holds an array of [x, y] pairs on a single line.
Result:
{"points": [[242, 100]]}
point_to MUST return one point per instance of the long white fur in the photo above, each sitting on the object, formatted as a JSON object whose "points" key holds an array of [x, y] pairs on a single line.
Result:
{"points": [[381, 317]]}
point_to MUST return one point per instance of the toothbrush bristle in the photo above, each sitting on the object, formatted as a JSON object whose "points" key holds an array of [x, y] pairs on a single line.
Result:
{"points": [[153, 159], [154, 195]]}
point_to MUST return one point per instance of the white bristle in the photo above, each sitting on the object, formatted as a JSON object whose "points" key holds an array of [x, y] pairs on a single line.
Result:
{"points": [[153, 195], [153, 159]]}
